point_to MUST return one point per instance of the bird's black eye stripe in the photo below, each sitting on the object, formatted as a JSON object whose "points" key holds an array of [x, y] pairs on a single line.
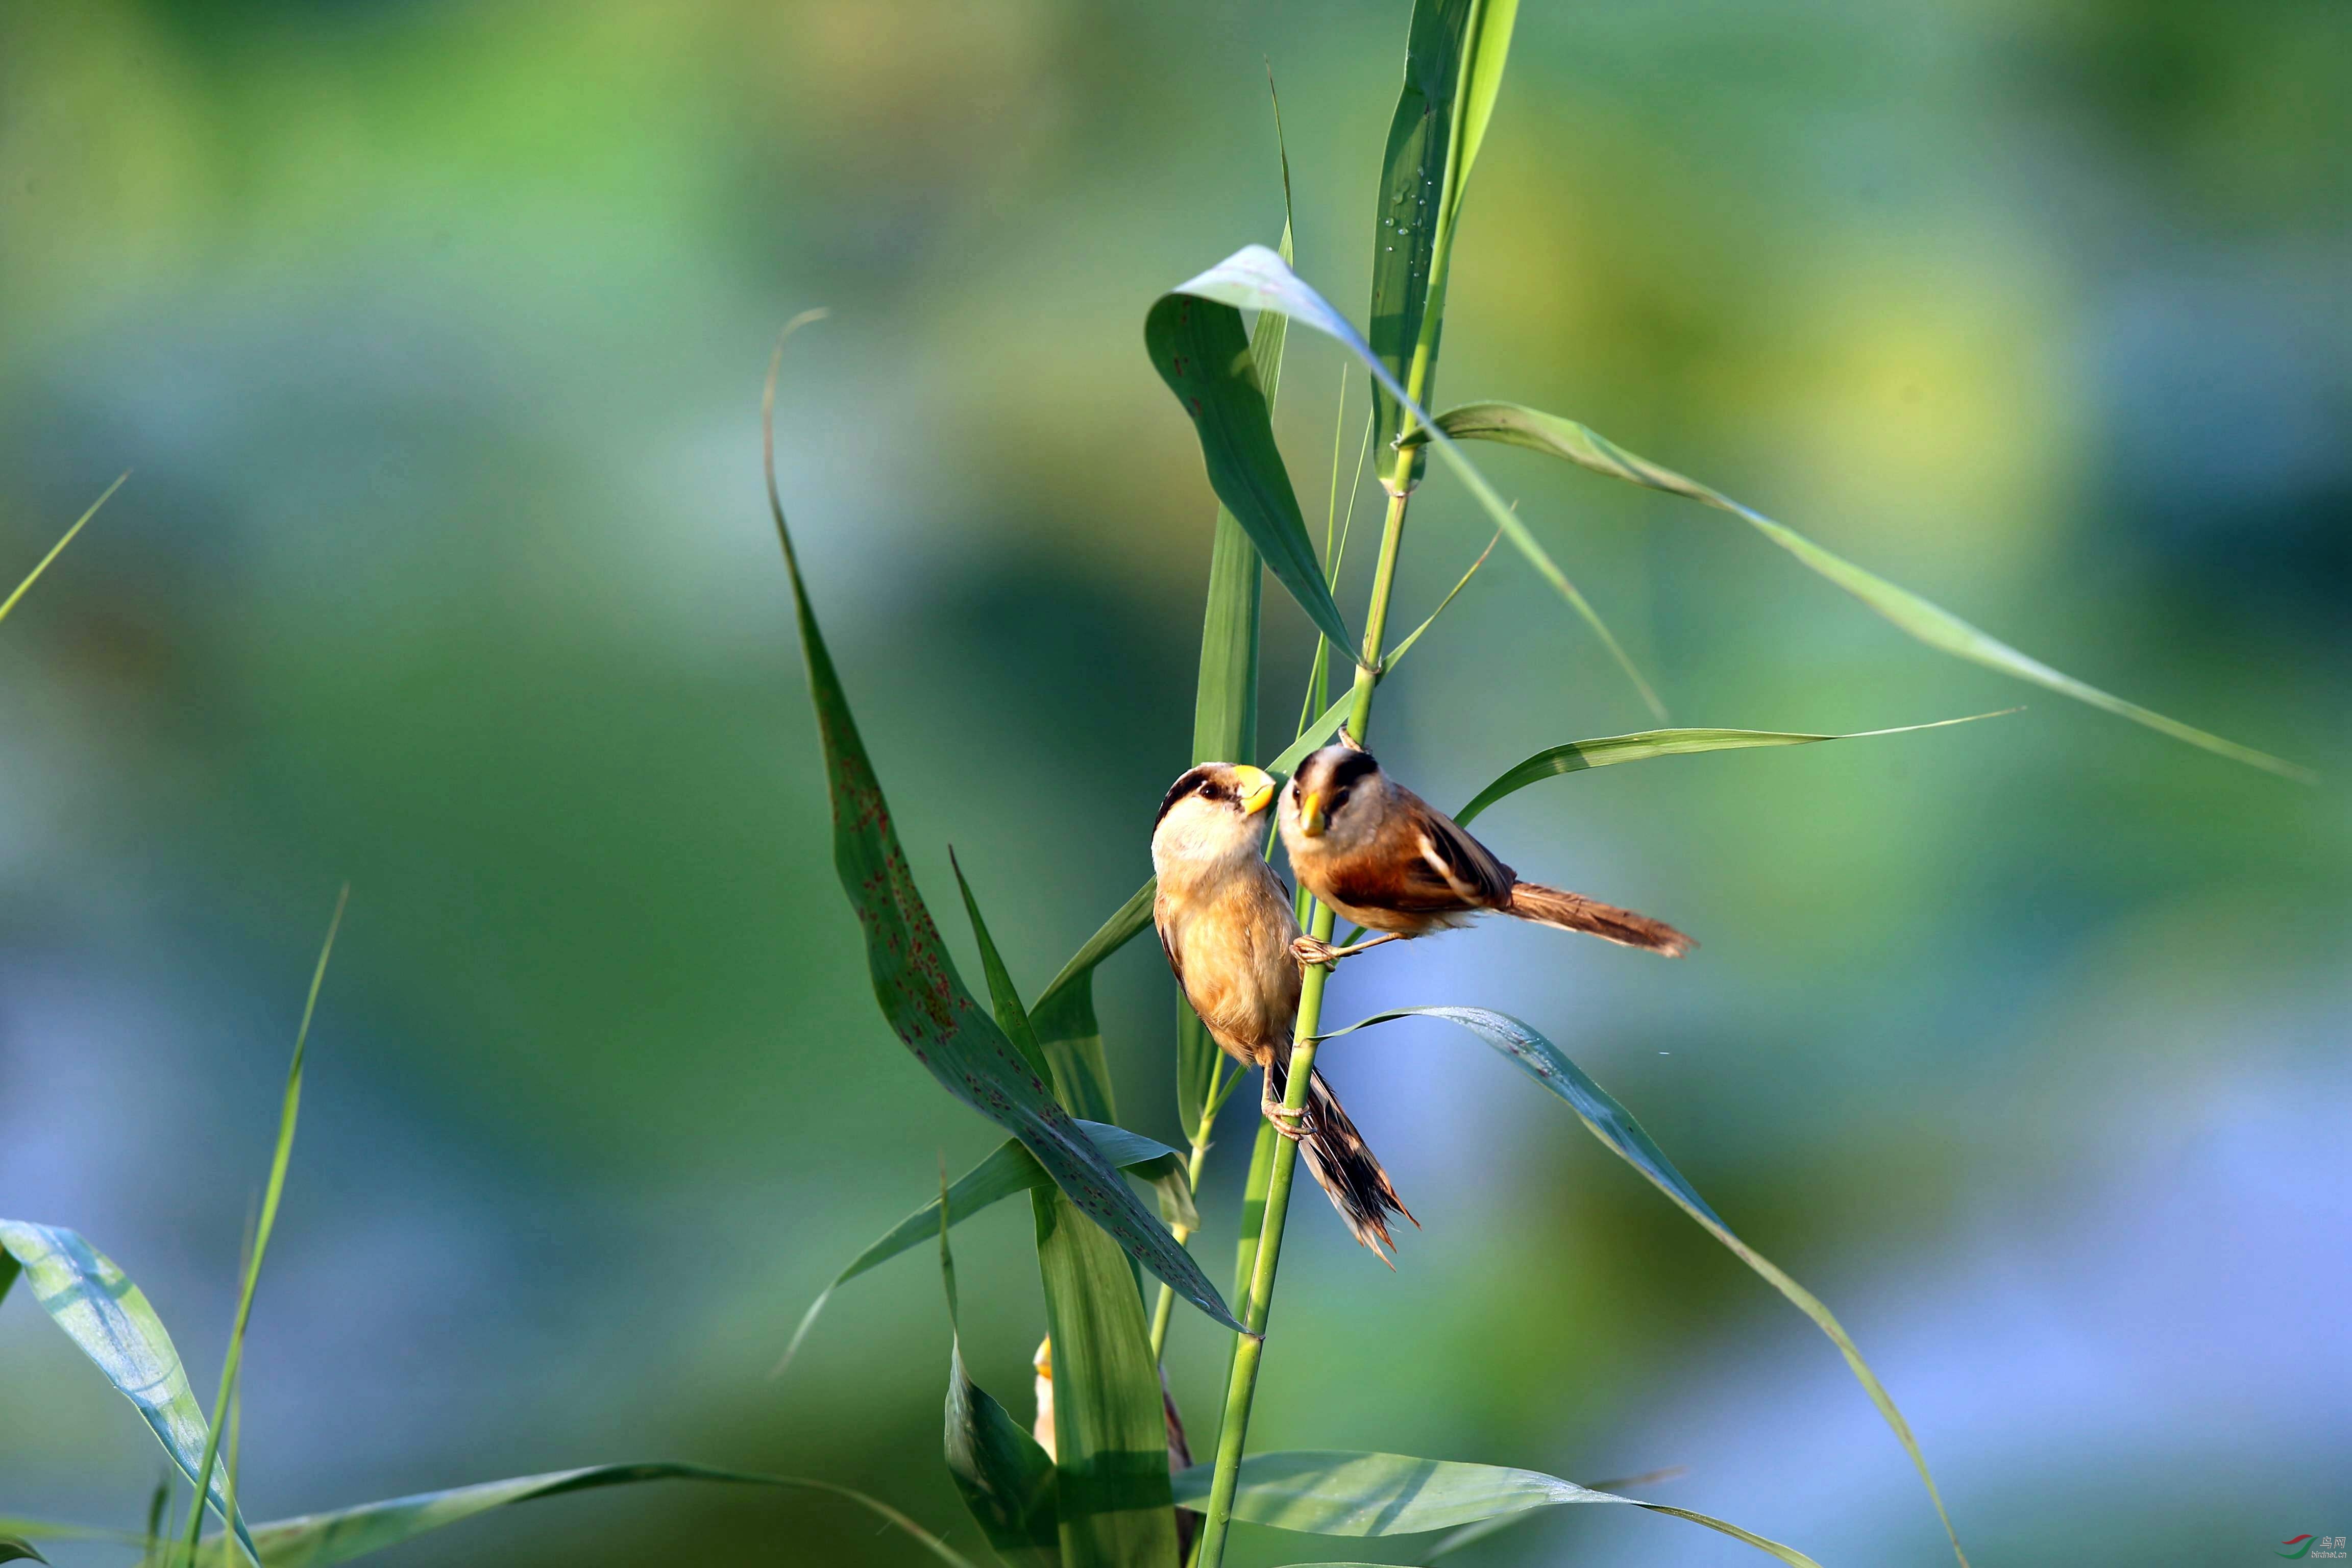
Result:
{"points": [[1347, 768], [1201, 780]]}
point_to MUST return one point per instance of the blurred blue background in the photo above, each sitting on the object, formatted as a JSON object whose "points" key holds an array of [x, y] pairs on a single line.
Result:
{"points": [[433, 336]]}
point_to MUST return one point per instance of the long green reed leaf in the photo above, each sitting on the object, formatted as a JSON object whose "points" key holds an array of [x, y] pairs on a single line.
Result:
{"points": [[289, 1113], [14, 1550], [1517, 425], [1007, 1481], [25, 1529], [1110, 1427], [1203, 354], [60, 547], [1394, 1494], [1454, 55], [916, 981], [1255, 278], [1578, 755], [103, 1313], [1009, 1170], [318, 1539], [1615, 1126], [1107, 1414]]}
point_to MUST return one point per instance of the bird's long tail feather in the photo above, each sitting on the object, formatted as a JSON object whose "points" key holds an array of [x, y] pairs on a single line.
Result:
{"points": [[1344, 1168], [1574, 911]]}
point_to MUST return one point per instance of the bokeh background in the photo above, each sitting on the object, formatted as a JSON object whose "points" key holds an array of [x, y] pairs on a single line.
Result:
{"points": [[433, 336]]}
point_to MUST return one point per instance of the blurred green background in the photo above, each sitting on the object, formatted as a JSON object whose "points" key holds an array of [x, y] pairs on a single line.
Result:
{"points": [[432, 335]]}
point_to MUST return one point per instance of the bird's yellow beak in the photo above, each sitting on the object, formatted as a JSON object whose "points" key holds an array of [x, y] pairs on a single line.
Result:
{"points": [[1257, 786], [1311, 820]]}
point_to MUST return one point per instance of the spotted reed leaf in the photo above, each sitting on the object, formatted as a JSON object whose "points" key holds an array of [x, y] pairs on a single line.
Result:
{"points": [[921, 995]]}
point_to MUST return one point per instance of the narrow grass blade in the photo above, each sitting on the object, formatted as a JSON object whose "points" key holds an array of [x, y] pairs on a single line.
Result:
{"points": [[102, 1312], [1006, 1480], [916, 981], [289, 1113], [1201, 352], [1255, 278], [1388, 662], [1011, 1016], [1578, 755], [1324, 725], [1938, 627], [13, 1549], [58, 548], [1009, 1170], [1125, 924], [1394, 1494], [1614, 1125], [316, 1539]]}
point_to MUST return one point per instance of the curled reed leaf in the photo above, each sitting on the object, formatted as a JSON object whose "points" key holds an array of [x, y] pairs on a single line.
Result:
{"points": [[88, 1296], [1255, 278], [1201, 352]]}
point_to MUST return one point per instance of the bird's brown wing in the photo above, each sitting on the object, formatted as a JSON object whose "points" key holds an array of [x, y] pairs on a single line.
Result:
{"points": [[1423, 863]]}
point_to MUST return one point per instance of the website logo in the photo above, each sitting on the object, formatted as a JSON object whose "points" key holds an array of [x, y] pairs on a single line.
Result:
{"points": [[2315, 1546]]}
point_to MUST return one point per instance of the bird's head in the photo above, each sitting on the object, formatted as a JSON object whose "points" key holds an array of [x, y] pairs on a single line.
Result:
{"points": [[1212, 813], [1336, 794]]}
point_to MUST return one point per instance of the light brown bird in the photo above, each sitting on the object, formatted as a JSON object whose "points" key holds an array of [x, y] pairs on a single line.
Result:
{"points": [[1387, 859], [1224, 919]]}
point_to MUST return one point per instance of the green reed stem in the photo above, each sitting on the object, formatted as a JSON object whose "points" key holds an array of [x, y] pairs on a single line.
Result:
{"points": [[1241, 1387]]}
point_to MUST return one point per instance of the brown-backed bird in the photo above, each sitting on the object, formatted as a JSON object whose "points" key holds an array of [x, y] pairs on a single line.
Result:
{"points": [[1387, 859], [1225, 922]]}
